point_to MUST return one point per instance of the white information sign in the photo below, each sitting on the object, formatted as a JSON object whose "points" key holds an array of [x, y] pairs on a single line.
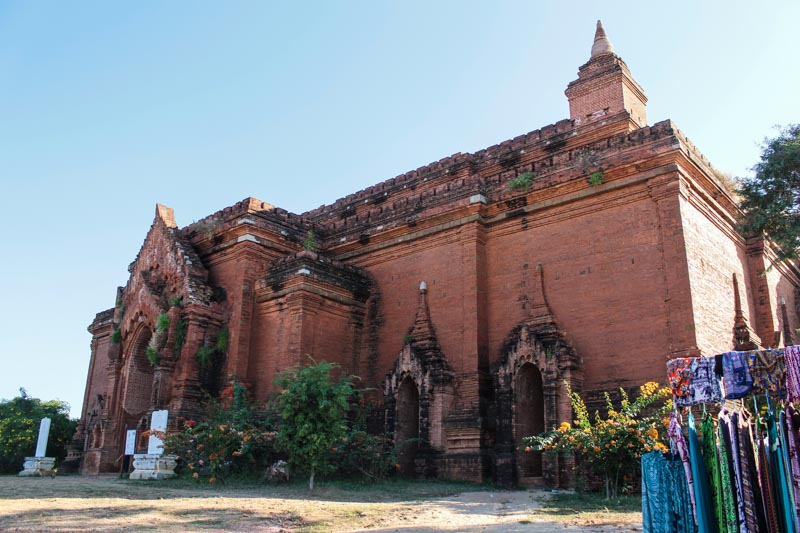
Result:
{"points": [[130, 442], [158, 423], [44, 432]]}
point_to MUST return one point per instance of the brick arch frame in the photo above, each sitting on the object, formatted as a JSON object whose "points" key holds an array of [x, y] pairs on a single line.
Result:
{"points": [[434, 381], [548, 350]]}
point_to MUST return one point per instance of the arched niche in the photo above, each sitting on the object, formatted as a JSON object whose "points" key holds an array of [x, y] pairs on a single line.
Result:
{"points": [[421, 386], [407, 425], [530, 397]]}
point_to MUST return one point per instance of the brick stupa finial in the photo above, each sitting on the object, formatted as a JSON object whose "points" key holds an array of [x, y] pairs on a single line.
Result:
{"points": [[423, 335], [605, 90], [602, 45]]}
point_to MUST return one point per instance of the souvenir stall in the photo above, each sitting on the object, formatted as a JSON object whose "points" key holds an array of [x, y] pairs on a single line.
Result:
{"points": [[734, 436]]}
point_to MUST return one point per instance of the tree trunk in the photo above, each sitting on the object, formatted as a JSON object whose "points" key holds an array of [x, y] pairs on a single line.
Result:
{"points": [[311, 481]]}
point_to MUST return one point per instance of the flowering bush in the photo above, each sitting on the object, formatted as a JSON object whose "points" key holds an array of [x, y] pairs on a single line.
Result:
{"points": [[613, 446], [364, 457], [234, 440]]}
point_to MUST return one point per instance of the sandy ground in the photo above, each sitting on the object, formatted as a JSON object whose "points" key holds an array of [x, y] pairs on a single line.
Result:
{"points": [[109, 504]]}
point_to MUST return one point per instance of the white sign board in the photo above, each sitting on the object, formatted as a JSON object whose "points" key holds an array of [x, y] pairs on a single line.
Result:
{"points": [[130, 442], [44, 432], [158, 423]]}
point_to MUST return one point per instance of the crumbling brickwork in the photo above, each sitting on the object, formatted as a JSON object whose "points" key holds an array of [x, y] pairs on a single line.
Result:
{"points": [[465, 292]]}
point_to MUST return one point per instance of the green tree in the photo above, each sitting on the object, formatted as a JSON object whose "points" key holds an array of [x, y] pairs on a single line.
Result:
{"points": [[313, 407], [771, 198], [19, 429]]}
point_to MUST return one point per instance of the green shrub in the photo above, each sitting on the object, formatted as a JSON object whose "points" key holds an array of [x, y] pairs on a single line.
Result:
{"points": [[596, 178], [522, 182], [19, 430], [180, 335], [116, 337], [162, 323], [313, 409], [153, 356], [208, 355], [364, 457]]}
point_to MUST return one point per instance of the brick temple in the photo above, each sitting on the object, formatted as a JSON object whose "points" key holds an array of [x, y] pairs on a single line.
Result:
{"points": [[466, 293]]}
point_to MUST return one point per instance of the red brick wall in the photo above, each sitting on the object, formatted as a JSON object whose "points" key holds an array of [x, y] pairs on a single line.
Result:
{"points": [[398, 271], [608, 299], [714, 254]]}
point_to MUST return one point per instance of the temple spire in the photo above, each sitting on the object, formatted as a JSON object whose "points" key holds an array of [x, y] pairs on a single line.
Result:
{"points": [[602, 45], [605, 90]]}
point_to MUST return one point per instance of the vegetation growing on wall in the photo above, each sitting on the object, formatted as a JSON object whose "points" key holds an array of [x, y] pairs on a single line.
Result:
{"points": [[158, 339], [310, 242], [522, 182], [596, 178], [210, 354]]}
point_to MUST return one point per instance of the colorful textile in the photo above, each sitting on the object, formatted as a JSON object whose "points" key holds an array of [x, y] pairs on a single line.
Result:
{"points": [[780, 477], [768, 369], [731, 516], [678, 440], [702, 494], [792, 426], [711, 462], [753, 497], [792, 361], [680, 376], [666, 507], [767, 490], [728, 423], [736, 377], [693, 381]]}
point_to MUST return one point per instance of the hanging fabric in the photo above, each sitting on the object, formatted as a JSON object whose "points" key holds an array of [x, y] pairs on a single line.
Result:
{"points": [[754, 498], [711, 462], [792, 426], [744, 477], [693, 381], [792, 361], [727, 426], [768, 370], [702, 496], [737, 380], [679, 441], [666, 507], [730, 514]]}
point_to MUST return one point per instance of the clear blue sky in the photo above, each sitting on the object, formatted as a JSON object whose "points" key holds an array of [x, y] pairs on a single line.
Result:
{"points": [[109, 107]]}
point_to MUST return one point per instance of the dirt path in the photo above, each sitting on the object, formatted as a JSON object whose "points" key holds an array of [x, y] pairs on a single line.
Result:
{"points": [[110, 504]]}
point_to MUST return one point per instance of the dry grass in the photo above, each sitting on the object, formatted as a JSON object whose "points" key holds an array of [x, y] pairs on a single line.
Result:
{"points": [[74, 503]]}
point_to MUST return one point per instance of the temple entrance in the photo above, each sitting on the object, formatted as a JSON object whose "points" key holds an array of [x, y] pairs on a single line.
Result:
{"points": [[138, 387], [407, 426], [528, 418]]}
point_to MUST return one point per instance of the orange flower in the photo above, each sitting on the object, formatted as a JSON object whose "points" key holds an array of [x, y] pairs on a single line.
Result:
{"points": [[597, 448]]}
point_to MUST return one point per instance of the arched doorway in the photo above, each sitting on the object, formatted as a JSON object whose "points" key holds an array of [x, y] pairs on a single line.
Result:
{"points": [[407, 426], [138, 388], [528, 418]]}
